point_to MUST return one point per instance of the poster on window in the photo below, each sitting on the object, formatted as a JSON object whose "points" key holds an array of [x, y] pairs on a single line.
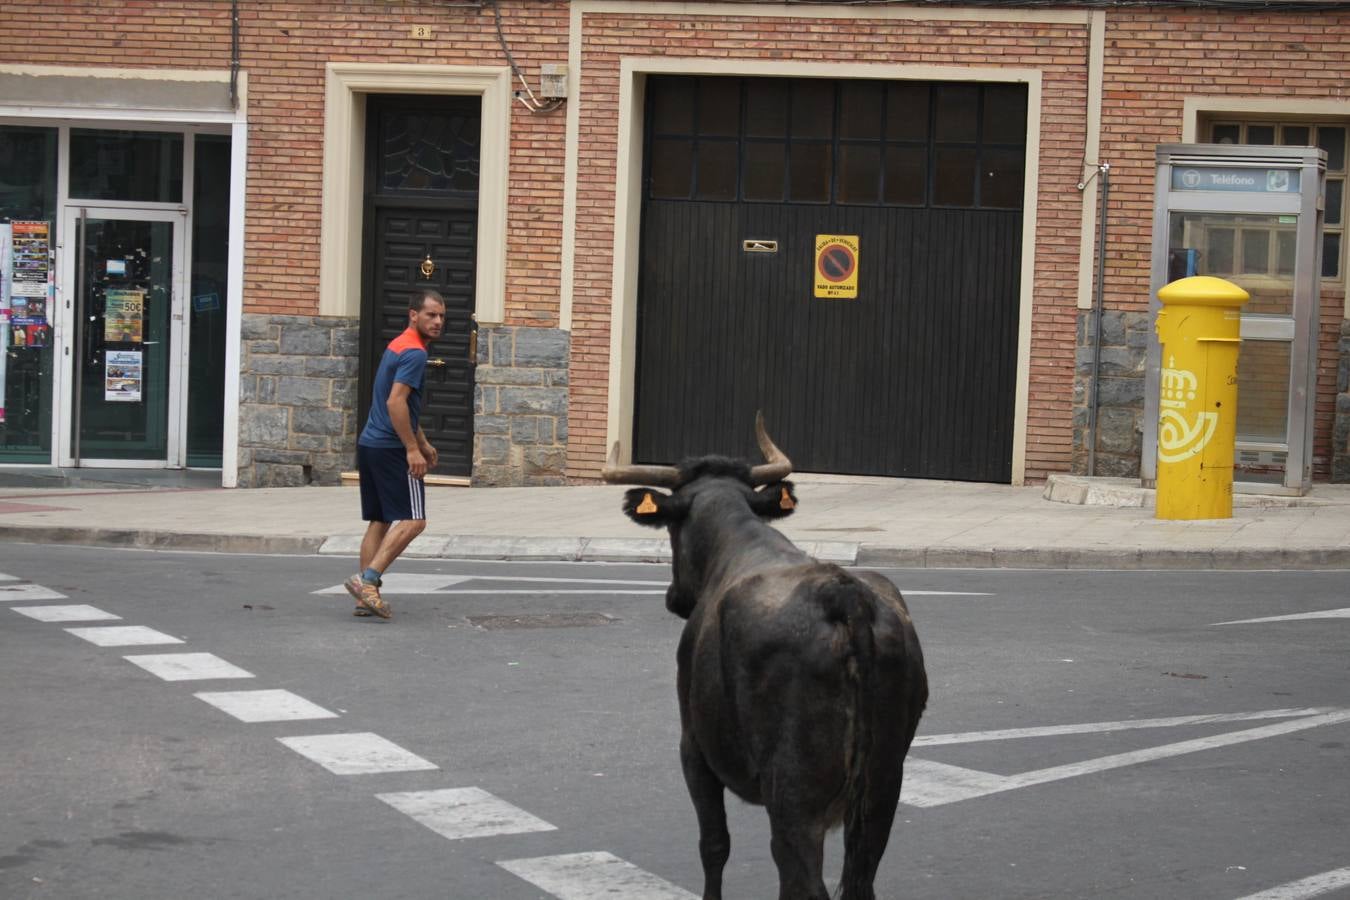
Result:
{"points": [[122, 316], [30, 259], [122, 376]]}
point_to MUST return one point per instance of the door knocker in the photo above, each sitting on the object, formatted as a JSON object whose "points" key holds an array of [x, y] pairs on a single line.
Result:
{"points": [[427, 267]]}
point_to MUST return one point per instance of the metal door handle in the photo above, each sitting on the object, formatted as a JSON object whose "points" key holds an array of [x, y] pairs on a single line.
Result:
{"points": [[438, 363]]}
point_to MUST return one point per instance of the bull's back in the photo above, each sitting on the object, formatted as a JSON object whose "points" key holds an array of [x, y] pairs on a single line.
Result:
{"points": [[772, 667]]}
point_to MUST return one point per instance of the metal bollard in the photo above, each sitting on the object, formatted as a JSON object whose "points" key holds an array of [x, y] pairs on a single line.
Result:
{"points": [[1199, 327]]}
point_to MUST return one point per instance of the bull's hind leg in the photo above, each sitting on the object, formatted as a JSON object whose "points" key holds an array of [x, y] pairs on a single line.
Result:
{"points": [[863, 857], [798, 847], [709, 796]]}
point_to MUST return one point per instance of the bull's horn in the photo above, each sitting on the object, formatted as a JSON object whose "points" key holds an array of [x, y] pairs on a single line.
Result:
{"points": [[776, 466], [653, 476]]}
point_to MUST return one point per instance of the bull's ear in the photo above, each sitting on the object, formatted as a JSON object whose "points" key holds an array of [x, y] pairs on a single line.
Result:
{"points": [[650, 507], [773, 501]]}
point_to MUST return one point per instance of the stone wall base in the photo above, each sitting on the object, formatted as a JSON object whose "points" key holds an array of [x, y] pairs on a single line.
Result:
{"points": [[520, 406], [1120, 393]]}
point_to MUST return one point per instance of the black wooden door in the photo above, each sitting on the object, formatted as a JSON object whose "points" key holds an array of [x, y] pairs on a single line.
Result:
{"points": [[913, 378], [421, 231]]}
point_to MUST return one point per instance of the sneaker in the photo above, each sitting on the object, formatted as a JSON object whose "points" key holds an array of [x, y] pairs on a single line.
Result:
{"points": [[353, 586], [371, 600]]}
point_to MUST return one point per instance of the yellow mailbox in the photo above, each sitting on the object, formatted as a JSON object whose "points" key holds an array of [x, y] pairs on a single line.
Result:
{"points": [[1199, 328]]}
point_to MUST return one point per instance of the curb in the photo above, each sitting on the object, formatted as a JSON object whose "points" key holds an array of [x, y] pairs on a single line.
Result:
{"points": [[160, 540], [630, 550]]}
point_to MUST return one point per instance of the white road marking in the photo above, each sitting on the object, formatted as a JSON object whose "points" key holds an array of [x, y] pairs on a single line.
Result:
{"points": [[4, 577], [945, 593], [937, 784], [975, 737], [79, 612], [265, 706], [29, 592], [412, 583], [187, 666], [459, 813], [584, 876], [123, 636], [537, 592], [1319, 614], [356, 754], [1313, 886]]}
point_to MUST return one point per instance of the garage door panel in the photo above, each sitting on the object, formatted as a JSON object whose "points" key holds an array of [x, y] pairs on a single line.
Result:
{"points": [[914, 377]]}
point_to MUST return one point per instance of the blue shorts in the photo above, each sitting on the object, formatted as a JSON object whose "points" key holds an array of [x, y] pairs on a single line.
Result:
{"points": [[389, 492]]}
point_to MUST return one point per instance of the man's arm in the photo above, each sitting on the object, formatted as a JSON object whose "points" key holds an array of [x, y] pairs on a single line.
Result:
{"points": [[429, 451], [397, 404]]}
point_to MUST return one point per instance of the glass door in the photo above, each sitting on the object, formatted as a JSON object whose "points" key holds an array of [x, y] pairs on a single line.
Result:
{"points": [[123, 346], [1255, 252]]}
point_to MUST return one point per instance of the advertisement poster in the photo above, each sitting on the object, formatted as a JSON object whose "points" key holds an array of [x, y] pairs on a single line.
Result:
{"points": [[122, 316], [30, 260], [122, 376]]}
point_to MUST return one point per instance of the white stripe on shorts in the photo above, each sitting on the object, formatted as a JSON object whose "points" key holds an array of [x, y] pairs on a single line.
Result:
{"points": [[415, 498]]}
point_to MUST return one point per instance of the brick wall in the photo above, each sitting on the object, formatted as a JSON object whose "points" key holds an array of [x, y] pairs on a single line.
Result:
{"points": [[1156, 59], [284, 47]]}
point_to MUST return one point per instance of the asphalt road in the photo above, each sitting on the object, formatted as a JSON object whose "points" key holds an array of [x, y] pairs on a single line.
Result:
{"points": [[1089, 734]]}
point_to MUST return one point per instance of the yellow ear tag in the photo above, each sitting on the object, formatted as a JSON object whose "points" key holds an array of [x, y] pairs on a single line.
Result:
{"points": [[647, 506], [786, 502]]}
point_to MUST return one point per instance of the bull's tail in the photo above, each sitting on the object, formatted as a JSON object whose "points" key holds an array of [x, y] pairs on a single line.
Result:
{"points": [[852, 605]]}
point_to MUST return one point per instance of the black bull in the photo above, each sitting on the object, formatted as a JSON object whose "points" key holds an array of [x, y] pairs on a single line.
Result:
{"points": [[800, 684]]}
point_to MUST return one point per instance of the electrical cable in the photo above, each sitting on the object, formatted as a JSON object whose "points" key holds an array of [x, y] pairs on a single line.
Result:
{"points": [[533, 104]]}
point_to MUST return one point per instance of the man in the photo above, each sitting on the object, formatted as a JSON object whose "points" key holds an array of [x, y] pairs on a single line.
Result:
{"points": [[393, 454]]}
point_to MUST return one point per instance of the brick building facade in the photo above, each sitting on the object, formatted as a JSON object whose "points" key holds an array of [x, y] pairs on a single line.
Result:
{"points": [[560, 190]]}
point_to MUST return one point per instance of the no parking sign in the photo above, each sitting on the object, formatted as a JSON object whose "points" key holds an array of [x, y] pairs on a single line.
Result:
{"points": [[836, 269]]}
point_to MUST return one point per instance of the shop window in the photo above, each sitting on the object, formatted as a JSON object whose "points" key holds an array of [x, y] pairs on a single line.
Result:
{"points": [[209, 290], [139, 166], [27, 194], [1329, 136]]}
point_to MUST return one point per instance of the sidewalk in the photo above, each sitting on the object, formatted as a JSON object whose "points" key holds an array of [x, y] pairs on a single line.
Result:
{"points": [[868, 521]]}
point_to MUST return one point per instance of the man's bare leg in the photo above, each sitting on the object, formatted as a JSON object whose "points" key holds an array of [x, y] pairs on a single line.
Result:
{"points": [[370, 544], [399, 536]]}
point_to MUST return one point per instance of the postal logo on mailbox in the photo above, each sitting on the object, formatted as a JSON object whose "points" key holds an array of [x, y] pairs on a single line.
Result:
{"points": [[1182, 433], [836, 271]]}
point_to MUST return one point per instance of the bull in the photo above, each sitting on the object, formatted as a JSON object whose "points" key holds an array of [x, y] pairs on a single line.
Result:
{"points": [[800, 684]]}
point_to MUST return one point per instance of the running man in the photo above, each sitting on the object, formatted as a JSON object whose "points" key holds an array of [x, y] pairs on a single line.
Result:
{"points": [[393, 454]]}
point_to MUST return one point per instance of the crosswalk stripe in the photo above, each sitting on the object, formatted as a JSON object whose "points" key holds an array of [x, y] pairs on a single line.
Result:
{"points": [[187, 666], [79, 612], [459, 813], [583, 876], [360, 753], [265, 706], [29, 592], [123, 636]]}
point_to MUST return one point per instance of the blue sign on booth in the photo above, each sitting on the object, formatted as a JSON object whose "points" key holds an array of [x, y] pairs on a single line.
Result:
{"points": [[1232, 178]]}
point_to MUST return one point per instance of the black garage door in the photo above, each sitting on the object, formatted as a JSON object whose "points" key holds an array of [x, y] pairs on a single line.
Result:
{"points": [[915, 375]]}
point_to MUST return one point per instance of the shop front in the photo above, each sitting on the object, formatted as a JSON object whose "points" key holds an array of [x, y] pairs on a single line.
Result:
{"points": [[118, 295]]}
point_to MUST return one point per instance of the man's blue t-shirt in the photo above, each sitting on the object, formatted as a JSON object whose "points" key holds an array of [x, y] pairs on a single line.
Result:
{"points": [[405, 362]]}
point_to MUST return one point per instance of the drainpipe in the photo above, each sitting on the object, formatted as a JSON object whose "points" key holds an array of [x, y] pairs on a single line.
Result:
{"points": [[1105, 171], [234, 54]]}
